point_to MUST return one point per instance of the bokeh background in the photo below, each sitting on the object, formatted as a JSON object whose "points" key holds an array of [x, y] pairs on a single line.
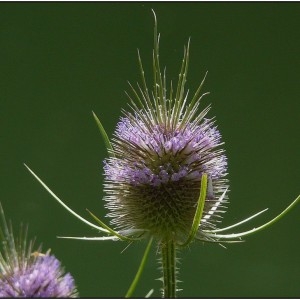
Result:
{"points": [[60, 61]]}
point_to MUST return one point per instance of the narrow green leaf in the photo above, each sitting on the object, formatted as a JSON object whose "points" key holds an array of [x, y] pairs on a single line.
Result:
{"points": [[63, 204], [254, 230], [239, 223], [95, 238], [111, 231], [199, 211], [139, 271], [104, 136]]}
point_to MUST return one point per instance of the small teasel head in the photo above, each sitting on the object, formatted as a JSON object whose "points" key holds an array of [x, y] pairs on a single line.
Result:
{"points": [[26, 272], [161, 148]]}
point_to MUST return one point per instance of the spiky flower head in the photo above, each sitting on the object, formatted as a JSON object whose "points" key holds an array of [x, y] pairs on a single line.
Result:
{"points": [[160, 150], [25, 273]]}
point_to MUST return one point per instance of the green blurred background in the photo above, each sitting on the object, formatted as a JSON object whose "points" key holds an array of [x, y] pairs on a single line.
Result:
{"points": [[60, 61]]}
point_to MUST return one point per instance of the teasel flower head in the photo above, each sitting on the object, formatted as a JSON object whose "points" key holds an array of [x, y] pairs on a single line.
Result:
{"points": [[28, 273], [160, 150]]}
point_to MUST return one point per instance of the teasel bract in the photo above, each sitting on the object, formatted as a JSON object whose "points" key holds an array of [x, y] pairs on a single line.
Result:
{"points": [[165, 178], [25, 272]]}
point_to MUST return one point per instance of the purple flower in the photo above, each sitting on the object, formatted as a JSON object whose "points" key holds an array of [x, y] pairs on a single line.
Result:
{"points": [[160, 150], [28, 274]]}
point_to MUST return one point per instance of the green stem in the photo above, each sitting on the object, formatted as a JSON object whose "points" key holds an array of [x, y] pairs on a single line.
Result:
{"points": [[168, 253]]}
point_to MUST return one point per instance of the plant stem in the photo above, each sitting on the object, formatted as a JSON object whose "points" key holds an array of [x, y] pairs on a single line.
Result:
{"points": [[168, 255]]}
